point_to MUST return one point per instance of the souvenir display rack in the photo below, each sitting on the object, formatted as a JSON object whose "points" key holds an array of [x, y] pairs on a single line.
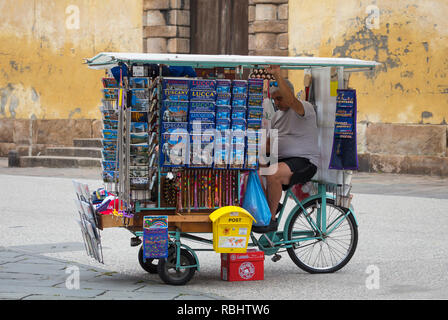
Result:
{"points": [[139, 115]]}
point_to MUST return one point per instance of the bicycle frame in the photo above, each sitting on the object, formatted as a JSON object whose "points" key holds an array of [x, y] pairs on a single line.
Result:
{"points": [[275, 239]]}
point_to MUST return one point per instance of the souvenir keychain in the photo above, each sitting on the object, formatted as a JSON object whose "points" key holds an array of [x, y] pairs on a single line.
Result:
{"points": [[209, 188], [216, 191], [220, 188], [206, 188], [202, 202], [227, 189], [233, 189], [165, 191], [185, 190], [221, 193], [188, 189], [204, 184], [179, 192], [195, 190]]}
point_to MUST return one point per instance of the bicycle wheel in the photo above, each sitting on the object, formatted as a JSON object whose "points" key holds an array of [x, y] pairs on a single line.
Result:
{"points": [[148, 265], [335, 250], [167, 268]]}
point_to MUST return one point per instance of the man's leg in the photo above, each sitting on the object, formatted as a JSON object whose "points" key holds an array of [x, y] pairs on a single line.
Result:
{"points": [[274, 186], [262, 184]]}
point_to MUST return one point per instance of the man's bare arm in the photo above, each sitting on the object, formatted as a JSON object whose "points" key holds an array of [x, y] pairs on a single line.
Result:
{"points": [[285, 91]]}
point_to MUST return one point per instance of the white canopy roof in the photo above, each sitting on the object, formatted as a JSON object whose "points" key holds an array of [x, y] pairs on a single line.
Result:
{"points": [[106, 60]]}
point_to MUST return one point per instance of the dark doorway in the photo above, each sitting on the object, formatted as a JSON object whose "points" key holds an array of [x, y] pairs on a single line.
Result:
{"points": [[219, 27]]}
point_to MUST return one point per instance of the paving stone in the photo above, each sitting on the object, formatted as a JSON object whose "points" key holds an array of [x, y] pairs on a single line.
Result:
{"points": [[6, 285], [36, 288], [10, 260], [21, 276], [107, 284], [52, 297], [13, 296], [194, 297], [41, 261], [50, 248], [9, 254], [31, 268], [64, 293], [127, 295]]}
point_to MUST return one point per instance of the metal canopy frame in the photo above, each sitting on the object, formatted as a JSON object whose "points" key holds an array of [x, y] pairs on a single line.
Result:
{"points": [[106, 60]]}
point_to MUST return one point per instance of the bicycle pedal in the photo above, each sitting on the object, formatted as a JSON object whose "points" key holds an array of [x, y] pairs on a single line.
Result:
{"points": [[276, 257]]}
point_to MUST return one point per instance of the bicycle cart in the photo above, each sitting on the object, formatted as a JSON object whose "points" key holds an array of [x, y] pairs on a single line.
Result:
{"points": [[319, 232]]}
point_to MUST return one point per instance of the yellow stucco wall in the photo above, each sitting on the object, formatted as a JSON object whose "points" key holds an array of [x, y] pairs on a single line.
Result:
{"points": [[42, 47], [411, 41]]}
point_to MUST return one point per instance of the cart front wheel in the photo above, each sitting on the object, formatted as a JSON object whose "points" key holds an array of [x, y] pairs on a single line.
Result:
{"points": [[167, 268], [147, 264]]}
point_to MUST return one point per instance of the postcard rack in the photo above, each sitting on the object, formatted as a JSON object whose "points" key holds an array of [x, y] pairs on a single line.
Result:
{"points": [[141, 117]]}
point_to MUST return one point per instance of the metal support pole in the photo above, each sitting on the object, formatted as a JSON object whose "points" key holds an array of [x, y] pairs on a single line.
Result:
{"points": [[323, 208]]}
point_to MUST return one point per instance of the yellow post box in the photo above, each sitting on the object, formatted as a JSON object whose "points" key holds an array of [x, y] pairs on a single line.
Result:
{"points": [[231, 229]]}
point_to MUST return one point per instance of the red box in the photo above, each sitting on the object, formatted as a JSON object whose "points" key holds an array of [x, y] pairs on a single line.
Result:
{"points": [[242, 266]]}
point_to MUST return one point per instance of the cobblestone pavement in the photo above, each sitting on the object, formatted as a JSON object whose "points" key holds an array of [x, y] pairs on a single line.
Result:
{"points": [[41, 247], [27, 276]]}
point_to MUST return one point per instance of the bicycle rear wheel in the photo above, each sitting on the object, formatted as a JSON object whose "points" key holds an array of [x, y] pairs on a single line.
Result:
{"points": [[330, 252]]}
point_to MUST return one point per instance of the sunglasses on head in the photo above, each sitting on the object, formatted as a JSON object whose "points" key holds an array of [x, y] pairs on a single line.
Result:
{"points": [[273, 84]]}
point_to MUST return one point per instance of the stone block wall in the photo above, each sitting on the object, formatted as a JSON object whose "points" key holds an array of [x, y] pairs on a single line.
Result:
{"points": [[268, 27], [166, 26], [403, 148], [31, 137]]}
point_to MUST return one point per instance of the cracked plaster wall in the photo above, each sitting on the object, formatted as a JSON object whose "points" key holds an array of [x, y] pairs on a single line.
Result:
{"points": [[43, 44], [411, 42]]}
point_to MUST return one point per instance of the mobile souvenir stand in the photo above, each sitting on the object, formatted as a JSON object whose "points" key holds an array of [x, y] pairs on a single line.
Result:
{"points": [[164, 190]]}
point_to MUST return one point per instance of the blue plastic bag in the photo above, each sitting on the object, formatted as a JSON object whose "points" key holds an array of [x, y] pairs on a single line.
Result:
{"points": [[255, 201]]}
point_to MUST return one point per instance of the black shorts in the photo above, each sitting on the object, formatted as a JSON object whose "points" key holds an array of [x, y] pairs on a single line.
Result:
{"points": [[302, 170]]}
